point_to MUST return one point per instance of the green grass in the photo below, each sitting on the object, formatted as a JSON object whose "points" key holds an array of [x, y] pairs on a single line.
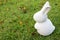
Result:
{"points": [[16, 19]]}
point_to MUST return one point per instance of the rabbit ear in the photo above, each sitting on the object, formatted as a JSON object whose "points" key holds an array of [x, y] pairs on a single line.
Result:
{"points": [[46, 7]]}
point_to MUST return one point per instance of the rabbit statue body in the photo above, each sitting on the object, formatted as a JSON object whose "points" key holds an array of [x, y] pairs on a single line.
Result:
{"points": [[43, 25]]}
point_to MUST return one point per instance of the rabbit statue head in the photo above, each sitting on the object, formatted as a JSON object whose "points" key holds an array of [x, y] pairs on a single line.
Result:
{"points": [[41, 15]]}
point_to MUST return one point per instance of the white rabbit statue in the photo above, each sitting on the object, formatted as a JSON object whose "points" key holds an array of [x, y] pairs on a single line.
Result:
{"points": [[43, 25]]}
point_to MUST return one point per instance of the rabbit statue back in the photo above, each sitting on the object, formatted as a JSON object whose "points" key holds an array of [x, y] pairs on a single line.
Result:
{"points": [[43, 25]]}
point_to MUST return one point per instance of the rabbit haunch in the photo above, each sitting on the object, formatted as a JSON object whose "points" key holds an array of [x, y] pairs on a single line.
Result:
{"points": [[45, 28]]}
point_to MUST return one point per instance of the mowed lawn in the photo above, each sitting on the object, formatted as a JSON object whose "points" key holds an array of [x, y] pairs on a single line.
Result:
{"points": [[16, 19]]}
